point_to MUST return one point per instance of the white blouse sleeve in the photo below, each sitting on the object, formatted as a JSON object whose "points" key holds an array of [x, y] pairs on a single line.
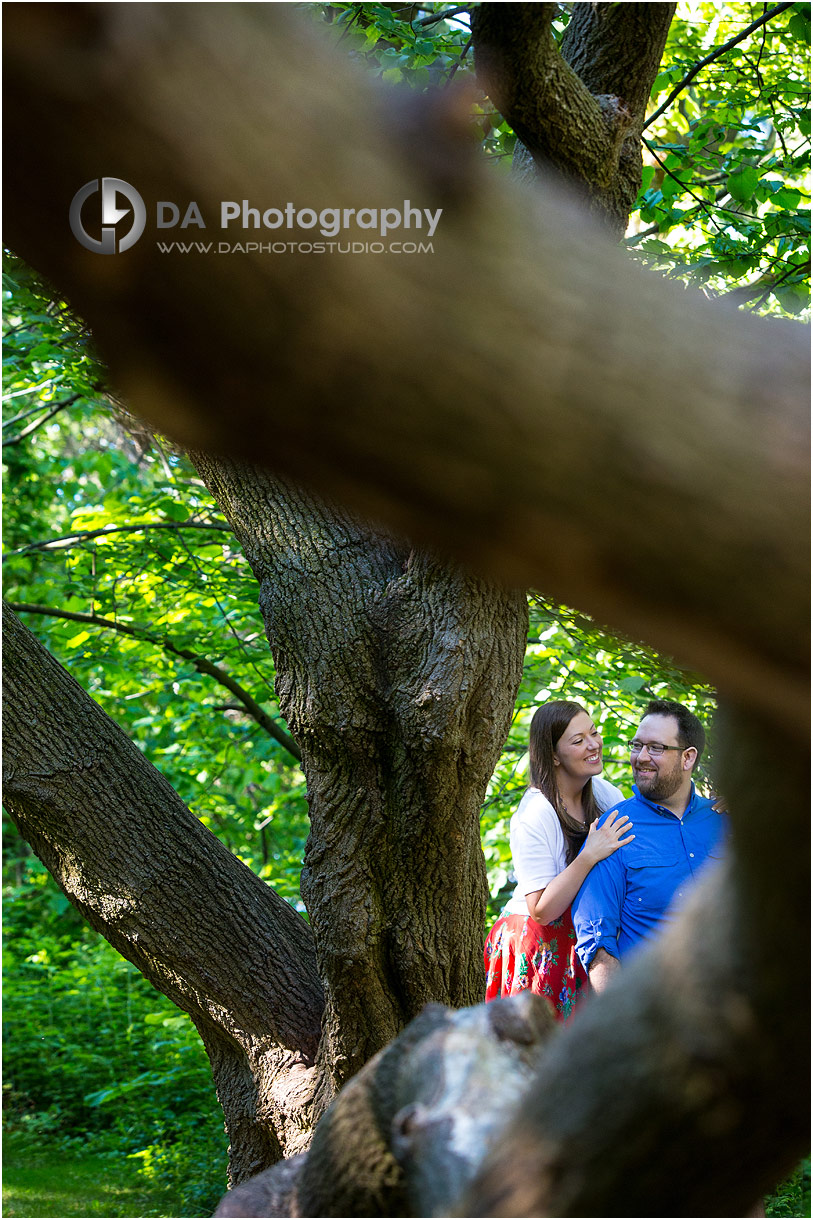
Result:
{"points": [[537, 843]]}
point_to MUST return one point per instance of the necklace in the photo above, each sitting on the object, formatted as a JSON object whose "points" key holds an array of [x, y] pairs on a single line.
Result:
{"points": [[582, 821]]}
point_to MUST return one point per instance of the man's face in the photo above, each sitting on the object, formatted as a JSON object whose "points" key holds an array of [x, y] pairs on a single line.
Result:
{"points": [[659, 778]]}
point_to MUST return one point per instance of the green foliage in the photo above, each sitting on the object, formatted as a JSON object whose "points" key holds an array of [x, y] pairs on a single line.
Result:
{"points": [[725, 201], [116, 497], [401, 43], [791, 1197], [89, 1047]]}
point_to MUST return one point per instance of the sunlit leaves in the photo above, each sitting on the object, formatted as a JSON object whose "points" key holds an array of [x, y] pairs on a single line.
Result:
{"points": [[728, 195], [167, 568], [399, 43]]}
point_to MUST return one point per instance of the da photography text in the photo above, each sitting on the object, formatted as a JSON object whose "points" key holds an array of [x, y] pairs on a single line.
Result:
{"points": [[108, 216], [329, 222]]}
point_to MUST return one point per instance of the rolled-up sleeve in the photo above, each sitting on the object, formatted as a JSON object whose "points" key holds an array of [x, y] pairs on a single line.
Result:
{"points": [[597, 910]]}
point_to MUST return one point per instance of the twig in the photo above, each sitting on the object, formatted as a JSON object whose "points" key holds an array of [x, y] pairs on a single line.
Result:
{"points": [[29, 389], [458, 62], [686, 187], [715, 54], [86, 535], [203, 666], [60, 406], [767, 289], [636, 237], [449, 12]]}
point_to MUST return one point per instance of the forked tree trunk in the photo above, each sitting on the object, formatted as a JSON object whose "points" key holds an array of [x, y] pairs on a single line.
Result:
{"points": [[397, 675]]}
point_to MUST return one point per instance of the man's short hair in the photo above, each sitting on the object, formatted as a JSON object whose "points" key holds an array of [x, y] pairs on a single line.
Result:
{"points": [[690, 731]]}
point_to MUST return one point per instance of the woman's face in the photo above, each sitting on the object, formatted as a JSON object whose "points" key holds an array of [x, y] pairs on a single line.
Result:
{"points": [[578, 751]]}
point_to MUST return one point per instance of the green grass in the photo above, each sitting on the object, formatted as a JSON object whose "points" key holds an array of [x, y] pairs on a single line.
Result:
{"points": [[43, 1183], [47, 1183]]}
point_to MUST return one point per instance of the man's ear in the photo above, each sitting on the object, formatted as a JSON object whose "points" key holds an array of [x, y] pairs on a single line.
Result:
{"points": [[689, 758]]}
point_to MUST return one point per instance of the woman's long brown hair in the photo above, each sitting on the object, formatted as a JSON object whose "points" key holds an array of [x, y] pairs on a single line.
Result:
{"points": [[549, 723]]}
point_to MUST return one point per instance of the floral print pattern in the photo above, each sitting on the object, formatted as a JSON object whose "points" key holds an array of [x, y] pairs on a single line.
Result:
{"points": [[522, 954]]}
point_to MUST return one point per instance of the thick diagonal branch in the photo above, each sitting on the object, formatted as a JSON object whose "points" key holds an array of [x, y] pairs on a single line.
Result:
{"points": [[163, 891], [579, 110], [545, 101], [642, 412]]}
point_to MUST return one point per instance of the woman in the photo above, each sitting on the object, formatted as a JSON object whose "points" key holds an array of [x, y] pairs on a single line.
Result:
{"points": [[532, 944]]}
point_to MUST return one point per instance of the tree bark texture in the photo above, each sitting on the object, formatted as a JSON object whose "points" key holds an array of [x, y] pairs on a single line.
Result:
{"points": [[645, 417], [579, 110], [408, 1132], [397, 675], [169, 897]]}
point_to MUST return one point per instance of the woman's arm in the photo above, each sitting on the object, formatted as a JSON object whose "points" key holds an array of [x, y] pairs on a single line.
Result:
{"points": [[549, 903]]}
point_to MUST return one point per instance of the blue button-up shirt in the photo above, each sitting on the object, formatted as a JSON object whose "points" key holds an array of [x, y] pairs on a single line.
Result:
{"points": [[626, 898]]}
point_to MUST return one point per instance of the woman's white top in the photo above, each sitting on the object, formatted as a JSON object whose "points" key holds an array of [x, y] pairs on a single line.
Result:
{"points": [[538, 848]]}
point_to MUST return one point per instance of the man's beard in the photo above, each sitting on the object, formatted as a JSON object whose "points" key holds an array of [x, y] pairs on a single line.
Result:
{"points": [[661, 786]]}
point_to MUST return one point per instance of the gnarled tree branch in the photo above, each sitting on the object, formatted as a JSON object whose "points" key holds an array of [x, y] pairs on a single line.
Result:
{"points": [[579, 111], [249, 980]]}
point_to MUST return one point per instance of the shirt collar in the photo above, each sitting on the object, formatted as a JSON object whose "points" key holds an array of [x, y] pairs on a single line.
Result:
{"points": [[661, 809]]}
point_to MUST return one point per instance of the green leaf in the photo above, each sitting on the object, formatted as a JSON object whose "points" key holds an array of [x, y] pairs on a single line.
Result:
{"points": [[672, 187], [799, 26], [786, 197], [76, 640], [633, 683], [741, 185], [792, 297]]}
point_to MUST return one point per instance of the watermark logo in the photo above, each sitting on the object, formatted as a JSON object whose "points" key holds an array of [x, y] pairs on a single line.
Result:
{"points": [[108, 216], [111, 188]]}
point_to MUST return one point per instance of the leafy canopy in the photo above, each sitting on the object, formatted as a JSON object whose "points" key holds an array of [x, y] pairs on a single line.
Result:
{"points": [[725, 200]]}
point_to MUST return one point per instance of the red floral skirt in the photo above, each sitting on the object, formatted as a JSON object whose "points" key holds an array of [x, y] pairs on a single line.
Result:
{"points": [[521, 953]]}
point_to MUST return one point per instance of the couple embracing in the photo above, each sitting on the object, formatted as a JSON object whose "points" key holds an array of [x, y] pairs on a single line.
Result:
{"points": [[598, 874]]}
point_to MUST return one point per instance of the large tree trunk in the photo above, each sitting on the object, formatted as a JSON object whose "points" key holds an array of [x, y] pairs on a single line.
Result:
{"points": [[397, 675], [169, 897]]}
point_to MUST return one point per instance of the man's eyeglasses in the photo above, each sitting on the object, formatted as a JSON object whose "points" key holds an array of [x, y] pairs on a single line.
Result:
{"points": [[655, 748]]}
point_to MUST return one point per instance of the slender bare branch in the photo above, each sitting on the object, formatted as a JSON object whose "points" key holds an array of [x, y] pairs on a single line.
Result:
{"points": [[65, 541], [201, 664], [715, 54], [433, 18], [60, 406]]}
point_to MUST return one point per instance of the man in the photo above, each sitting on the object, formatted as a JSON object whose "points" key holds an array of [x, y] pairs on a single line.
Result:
{"points": [[625, 898]]}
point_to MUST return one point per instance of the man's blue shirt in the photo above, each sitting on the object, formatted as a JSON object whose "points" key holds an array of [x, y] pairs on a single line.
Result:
{"points": [[626, 898]]}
